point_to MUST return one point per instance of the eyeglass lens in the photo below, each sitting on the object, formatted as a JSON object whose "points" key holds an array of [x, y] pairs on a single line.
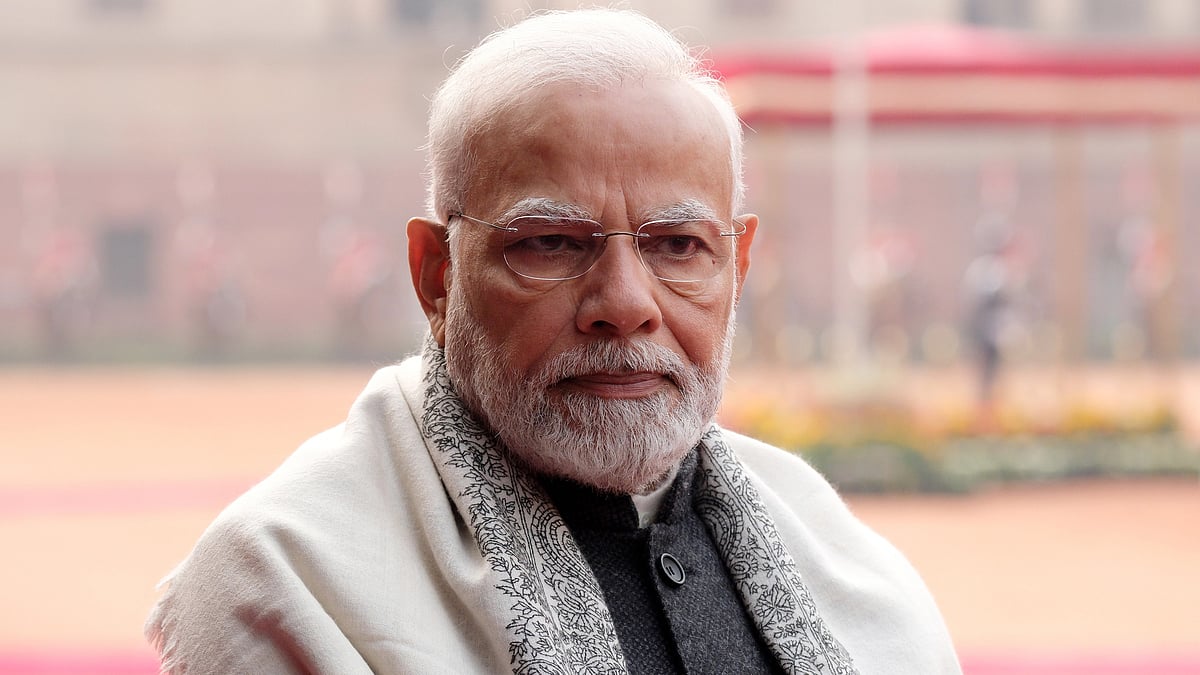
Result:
{"points": [[540, 247]]}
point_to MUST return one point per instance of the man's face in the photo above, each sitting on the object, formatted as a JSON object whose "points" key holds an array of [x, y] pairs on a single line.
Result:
{"points": [[609, 378]]}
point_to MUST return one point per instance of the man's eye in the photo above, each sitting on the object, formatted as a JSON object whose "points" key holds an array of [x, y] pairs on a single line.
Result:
{"points": [[678, 246], [546, 244], [684, 245]]}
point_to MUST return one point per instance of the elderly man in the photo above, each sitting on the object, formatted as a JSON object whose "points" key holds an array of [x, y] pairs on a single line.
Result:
{"points": [[543, 488]]}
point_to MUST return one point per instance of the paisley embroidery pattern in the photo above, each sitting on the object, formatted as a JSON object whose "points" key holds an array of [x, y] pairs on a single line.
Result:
{"points": [[558, 622], [761, 568]]}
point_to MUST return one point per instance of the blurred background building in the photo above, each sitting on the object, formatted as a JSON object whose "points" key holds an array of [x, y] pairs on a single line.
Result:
{"points": [[188, 179]]}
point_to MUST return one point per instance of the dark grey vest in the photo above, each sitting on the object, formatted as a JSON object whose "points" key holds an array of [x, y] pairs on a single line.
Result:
{"points": [[670, 596]]}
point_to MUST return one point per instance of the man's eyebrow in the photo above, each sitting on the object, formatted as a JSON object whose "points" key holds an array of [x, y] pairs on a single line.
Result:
{"points": [[543, 206], [688, 209]]}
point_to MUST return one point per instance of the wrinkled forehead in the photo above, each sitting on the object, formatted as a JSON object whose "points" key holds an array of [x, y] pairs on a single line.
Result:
{"points": [[573, 140]]}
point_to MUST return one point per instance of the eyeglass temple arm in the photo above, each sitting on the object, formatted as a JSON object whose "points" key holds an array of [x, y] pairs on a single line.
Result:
{"points": [[736, 233], [459, 214]]}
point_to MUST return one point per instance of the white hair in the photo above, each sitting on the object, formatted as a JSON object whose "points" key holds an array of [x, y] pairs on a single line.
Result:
{"points": [[594, 48]]}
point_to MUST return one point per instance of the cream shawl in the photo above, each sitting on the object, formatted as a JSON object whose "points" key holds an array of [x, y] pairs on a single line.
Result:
{"points": [[404, 541]]}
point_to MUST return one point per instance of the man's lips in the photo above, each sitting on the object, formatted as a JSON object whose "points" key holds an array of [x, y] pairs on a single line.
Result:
{"points": [[618, 385]]}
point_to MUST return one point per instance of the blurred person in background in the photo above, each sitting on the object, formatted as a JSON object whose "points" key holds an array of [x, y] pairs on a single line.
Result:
{"points": [[991, 284], [543, 488], [212, 288], [64, 279], [358, 274]]}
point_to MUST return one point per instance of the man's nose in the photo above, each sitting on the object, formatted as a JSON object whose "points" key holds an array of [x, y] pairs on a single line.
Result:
{"points": [[618, 294]]}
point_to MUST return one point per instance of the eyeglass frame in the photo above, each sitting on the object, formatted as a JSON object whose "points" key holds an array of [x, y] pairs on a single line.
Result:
{"points": [[636, 234]]}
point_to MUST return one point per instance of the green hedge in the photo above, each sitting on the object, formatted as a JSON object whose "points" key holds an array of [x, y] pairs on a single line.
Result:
{"points": [[963, 464]]}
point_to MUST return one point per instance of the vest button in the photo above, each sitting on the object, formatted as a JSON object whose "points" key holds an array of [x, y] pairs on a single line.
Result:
{"points": [[672, 569]]}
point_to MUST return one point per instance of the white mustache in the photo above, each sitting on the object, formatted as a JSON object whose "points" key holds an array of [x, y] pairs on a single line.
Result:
{"points": [[612, 356]]}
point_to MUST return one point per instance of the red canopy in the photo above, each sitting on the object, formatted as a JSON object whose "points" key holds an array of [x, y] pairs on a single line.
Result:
{"points": [[946, 73]]}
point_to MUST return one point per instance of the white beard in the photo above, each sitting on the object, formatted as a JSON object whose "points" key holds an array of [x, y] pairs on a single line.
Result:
{"points": [[616, 445]]}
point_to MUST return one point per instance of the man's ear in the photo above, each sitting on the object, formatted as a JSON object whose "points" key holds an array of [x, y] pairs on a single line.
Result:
{"points": [[428, 262], [743, 249]]}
